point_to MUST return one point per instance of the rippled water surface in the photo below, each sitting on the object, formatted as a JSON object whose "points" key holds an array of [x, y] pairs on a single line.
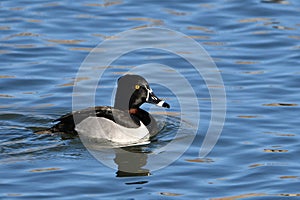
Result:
{"points": [[256, 47]]}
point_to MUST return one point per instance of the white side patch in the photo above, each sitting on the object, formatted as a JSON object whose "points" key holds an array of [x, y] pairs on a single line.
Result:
{"points": [[102, 128]]}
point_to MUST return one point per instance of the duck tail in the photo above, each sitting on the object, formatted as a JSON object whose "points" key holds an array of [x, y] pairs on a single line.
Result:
{"points": [[44, 131]]}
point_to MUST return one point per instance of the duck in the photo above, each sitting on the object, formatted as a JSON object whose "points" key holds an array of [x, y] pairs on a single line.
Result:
{"points": [[124, 123]]}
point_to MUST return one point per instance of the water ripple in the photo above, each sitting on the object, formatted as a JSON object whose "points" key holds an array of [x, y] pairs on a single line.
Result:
{"points": [[255, 45]]}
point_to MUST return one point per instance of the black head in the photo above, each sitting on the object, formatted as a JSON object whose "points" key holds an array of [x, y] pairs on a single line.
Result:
{"points": [[133, 91]]}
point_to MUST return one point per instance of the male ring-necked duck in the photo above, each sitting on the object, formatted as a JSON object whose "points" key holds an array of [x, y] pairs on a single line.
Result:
{"points": [[126, 122]]}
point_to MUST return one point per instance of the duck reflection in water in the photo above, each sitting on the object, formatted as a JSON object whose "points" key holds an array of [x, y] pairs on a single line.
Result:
{"points": [[131, 162]]}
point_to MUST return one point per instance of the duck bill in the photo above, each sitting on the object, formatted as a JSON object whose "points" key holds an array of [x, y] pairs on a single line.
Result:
{"points": [[153, 99]]}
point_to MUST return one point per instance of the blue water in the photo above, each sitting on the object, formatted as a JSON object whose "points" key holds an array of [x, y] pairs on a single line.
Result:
{"points": [[255, 45]]}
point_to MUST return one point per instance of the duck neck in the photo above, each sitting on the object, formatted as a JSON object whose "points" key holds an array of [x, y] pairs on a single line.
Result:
{"points": [[125, 107], [122, 99]]}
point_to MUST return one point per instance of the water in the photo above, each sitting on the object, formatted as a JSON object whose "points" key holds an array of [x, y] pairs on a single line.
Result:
{"points": [[255, 45]]}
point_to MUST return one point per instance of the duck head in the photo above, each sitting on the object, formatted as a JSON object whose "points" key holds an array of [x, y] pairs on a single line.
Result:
{"points": [[133, 91]]}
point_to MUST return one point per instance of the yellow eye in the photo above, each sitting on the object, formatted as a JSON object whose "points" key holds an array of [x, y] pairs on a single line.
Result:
{"points": [[137, 87]]}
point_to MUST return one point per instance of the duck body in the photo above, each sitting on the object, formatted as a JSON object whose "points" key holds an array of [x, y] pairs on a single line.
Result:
{"points": [[118, 117], [124, 123]]}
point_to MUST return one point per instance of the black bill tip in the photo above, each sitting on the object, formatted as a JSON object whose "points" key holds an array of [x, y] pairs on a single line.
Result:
{"points": [[165, 105]]}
